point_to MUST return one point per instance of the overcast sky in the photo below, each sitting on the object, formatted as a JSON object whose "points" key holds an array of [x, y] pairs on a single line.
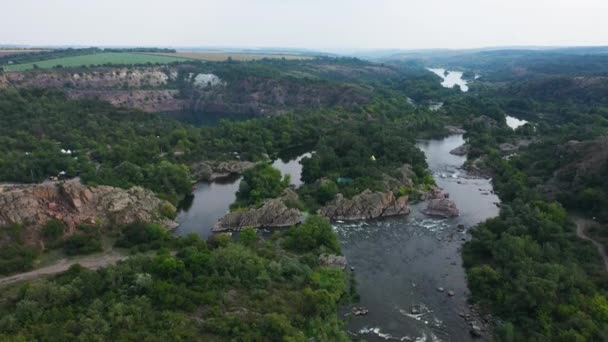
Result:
{"points": [[315, 24]]}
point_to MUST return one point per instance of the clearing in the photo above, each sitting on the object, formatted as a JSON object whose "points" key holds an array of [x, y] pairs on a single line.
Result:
{"points": [[92, 262], [237, 56], [98, 59]]}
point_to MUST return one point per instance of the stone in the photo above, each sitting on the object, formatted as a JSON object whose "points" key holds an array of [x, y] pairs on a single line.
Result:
{"points": [[451, 293], [364, 206], [74, 203], [332, 260], [415, 310], [359, 311], [274, 213], [442, 207], [440, 289], [461, 150], [213, 170], [476, 330]]}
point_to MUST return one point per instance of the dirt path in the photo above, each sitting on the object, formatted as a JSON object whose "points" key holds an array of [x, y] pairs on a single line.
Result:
{"points": [[581, 231], [92, 262]]}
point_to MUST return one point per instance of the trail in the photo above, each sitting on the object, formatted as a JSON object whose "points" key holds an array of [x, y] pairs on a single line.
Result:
{"points": [[581, 226], [92, 262]]}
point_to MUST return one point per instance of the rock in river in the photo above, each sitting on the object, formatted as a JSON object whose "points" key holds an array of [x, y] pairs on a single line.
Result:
{"points": [[366, 205], [442, 207], [212, 170], [274, 213]]}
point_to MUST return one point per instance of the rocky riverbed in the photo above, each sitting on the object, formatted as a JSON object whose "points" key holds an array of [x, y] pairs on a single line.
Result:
{"points": [[408, 268]]}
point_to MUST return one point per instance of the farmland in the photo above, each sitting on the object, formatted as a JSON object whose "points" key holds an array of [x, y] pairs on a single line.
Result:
{"points": [[7, 52], [237, 56], [98, 59]]}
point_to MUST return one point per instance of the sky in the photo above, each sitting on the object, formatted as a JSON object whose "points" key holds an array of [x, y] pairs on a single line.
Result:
{"points": [[311, 24]]}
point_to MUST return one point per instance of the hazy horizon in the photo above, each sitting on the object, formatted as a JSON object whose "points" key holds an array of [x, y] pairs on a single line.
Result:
{"points": [[312, 25]]}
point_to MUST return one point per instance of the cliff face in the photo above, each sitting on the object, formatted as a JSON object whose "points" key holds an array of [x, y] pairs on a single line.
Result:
{"points": [[366, 205], [74, 203], [155, 89]]}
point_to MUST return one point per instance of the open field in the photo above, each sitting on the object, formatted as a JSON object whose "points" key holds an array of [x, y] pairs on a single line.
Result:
{"points": [[98, 59], [5, 52], [222, 56]]}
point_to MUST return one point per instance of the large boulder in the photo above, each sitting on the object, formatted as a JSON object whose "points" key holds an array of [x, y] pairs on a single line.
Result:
{"points": [[274, 213], [366, 205], [442, 207]]}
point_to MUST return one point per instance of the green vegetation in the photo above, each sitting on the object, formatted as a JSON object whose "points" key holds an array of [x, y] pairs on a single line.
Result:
{"points": [[100, 58], [260, 183], [239, 291]]}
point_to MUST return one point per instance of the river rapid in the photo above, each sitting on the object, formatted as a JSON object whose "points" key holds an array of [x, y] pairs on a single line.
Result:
{"points": [[401, 262]]}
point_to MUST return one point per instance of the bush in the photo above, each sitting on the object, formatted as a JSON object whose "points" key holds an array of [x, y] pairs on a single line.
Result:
{"points": [[53, 230], [315, 233], [168, 210], [86, 241], [145, 236], [17, 258]]}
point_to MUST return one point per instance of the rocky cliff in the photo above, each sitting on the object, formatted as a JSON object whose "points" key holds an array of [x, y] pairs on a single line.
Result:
{"points": [[366, 205], [75, 203], [155, 89], [274, 213]]}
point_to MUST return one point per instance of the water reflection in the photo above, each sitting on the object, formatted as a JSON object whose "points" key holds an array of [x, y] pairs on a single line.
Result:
{"points": [[451, 78], [211, 201]]}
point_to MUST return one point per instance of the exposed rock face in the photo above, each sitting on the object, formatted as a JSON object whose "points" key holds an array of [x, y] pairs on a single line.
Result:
{"points": [[442, 207], [461, 150], [75, 203], [366, 205], [455, 130], [332, 260], [161, 100], [274, 213], [212, 170], [97, 78]]}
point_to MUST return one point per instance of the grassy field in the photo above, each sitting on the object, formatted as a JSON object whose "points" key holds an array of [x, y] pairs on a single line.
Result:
{"points": [[222, 56], [5, 52], [98, 59]]}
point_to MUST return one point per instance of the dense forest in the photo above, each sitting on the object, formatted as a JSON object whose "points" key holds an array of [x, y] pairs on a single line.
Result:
{"points": [[188, 289], [526, 266]]}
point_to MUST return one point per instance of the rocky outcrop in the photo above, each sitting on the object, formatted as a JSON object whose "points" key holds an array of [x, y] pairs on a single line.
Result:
{"points": [[274, 213], [332, 260], [102, 78], [366, 205], [75, 203], [439, 204], [212, 170], [461, 150], [455, 130], [160, 100]]}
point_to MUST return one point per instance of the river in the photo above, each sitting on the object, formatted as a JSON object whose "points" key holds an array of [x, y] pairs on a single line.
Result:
{"points": [[210, 201], [400, 262], [451, 78]]}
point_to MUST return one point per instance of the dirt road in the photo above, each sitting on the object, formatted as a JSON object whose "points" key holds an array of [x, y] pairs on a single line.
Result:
{"points": [[581, 231], [92, 262]]}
